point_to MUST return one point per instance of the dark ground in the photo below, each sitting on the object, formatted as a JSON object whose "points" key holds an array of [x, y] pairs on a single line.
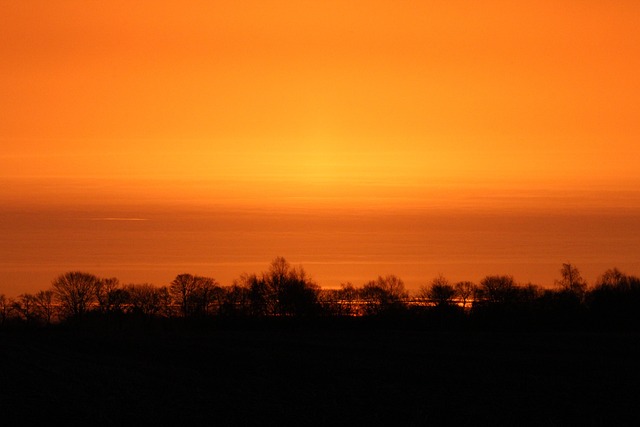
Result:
{"points": [[168, 375]]}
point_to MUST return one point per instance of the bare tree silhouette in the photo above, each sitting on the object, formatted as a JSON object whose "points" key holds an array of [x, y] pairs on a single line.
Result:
{"points": [[292, 291], [196, 295], [182, 289], [497, 289], [384, 294], [349, 296], [26, 307], [260, 301], [206, 296], [441, 292], [143, 299], [571, 281], [164, 301], [612, 278], [75, 292], [464, 291], [280, 291], [6, 306], [340, 302], [235, 301], [109, 295], [45, 305], [615, 298]]}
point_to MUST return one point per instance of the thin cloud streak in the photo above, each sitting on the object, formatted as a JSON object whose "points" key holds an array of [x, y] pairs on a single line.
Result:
{"points": [[119, 219]]}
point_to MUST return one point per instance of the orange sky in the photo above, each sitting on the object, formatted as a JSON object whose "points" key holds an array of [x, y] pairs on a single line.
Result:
{"points": [[332, 104]]}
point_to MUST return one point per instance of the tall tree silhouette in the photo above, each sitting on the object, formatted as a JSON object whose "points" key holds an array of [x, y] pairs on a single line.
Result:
{"points": [[571, 283], [206, 297], [75, 292], [194, 294], [182, 289], [289, 289]]}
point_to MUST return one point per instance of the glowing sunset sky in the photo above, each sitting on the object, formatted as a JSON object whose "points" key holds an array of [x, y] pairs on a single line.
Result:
{"points": [[358, 138]]}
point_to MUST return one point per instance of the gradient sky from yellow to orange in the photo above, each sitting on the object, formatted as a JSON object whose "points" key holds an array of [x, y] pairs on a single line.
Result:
{"points": [[331, 104]]}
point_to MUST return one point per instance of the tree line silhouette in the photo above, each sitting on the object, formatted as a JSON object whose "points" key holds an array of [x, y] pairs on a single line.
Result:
{"points": [[284, 291]]}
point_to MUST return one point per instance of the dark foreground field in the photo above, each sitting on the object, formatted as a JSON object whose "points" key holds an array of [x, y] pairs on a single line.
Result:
{"points": [[172, 375]]}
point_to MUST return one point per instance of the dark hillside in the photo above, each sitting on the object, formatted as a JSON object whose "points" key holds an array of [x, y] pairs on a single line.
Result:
{"points": [[167, 374]]}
